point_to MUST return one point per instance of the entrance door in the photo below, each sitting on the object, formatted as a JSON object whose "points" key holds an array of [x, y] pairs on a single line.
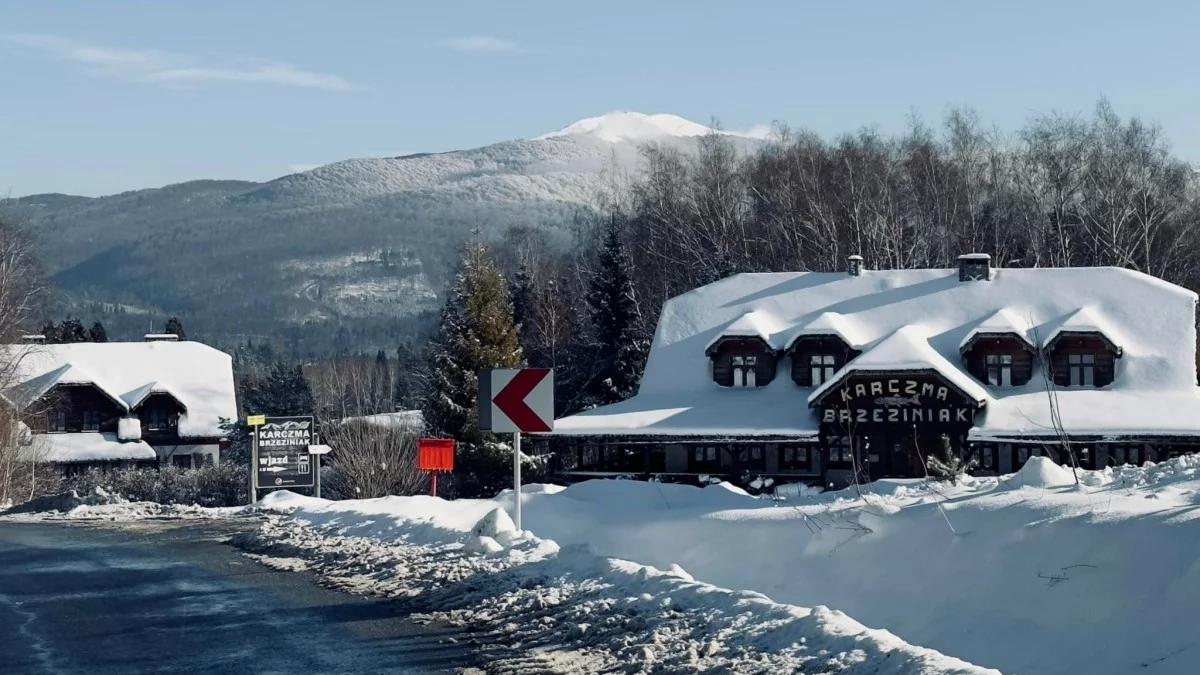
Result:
{"points": [[898, 459]]}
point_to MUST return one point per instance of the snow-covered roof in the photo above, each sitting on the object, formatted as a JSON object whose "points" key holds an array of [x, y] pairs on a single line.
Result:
{"points": [[200, 377], [1001, 322], [25, 392], [84, 447], [134, 397], [906, 350], [1151, 320], [754, 323], [1082, 320], [829, 323]]}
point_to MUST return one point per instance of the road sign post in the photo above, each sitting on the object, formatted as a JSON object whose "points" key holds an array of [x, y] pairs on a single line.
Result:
{"points": [[254, 421], [516, 401]]}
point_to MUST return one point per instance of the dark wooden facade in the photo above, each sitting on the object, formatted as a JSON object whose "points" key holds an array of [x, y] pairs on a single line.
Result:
{"points": [[723, 353], [874, 425], [976, 353], [74, 408], [804, 348]]}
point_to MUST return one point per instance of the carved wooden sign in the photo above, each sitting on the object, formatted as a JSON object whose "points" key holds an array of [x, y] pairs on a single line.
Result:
{"points": [[897, 400]]}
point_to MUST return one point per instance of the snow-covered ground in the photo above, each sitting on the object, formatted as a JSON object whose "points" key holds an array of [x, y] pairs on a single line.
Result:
{"points": [[539, 607], [1027, 573]]}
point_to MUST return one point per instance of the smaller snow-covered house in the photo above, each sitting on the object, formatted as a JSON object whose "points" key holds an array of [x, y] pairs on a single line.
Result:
{"points": [[157, 402], [813, 376]]}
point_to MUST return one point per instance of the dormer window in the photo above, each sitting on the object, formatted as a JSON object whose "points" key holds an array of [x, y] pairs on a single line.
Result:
{"points": [[1082, 370], [821, 368], [91, 420], [999, 370], [156, 419], [742, 362], [57, 420], [743, 370]]}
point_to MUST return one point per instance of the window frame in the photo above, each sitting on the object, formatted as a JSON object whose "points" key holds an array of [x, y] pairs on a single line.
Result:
{"points": [[800, 457], [747, 459], [91, 420], [1081, 369], [998, 369], [56, 421], [704, 459], [744, 367], [821, 368], [154, 422]]}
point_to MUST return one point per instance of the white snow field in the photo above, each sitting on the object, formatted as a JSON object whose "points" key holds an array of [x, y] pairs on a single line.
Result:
{"points": [[1027, 573], [536, 607]]}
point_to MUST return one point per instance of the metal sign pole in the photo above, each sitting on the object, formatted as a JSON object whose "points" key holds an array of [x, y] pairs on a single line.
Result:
{"points": [[517, 480], [254, 465], [316, 467]]}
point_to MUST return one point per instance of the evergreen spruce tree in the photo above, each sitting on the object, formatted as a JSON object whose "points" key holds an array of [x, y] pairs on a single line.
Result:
{"points": [[282, 390], [50, 331], [383, 383], [521, 290], [71, 331], [175, 327], [621, 350], [97, 333], [409, 372], [475, 333]]}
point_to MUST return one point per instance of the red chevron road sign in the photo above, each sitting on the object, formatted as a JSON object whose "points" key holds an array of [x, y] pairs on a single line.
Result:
{"points": [[516, 400]]}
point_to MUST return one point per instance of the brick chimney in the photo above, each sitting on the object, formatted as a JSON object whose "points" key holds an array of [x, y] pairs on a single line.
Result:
{"points": [[974, 267]]}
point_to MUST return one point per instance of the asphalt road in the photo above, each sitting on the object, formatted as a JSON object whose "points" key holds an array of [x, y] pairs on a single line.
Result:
{"points": [[162, 597]]}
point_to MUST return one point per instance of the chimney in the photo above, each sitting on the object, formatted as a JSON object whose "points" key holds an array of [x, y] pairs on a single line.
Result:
{"points": [[854, 265], [160, 337], [974, 267], [33, 339]]}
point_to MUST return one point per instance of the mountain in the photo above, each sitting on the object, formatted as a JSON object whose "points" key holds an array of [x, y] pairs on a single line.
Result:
{"points": [[348, 255]]}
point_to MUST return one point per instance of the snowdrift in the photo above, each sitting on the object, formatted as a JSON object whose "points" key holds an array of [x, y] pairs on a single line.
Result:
{"points": [[1027, 573]]}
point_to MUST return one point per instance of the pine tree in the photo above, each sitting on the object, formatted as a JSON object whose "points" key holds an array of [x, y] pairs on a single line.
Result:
{"points": [[97, 333], [283, 390], [621, 350], [175, 327], [383, 383], [521, 290], [409, 372], [50, 331], [475, 333], [71, 331]]}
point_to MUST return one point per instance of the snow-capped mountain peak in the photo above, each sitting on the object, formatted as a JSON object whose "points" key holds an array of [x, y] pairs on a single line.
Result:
{"points": [[622, 126]]}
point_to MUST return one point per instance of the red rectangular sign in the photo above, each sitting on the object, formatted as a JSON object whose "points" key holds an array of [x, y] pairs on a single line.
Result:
{"points": [[435, 454]]}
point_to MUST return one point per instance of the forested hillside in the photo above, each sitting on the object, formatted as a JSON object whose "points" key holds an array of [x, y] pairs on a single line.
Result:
{"points": [[349, 256]]}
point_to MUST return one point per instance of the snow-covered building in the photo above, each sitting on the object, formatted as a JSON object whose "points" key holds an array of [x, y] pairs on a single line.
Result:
{"points": [[814, 375], [121, 403]]}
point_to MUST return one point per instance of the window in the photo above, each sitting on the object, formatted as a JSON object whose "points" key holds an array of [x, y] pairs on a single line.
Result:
{"points": [[156, 419], [704, 459], [840, 451], [57, 420], [999, 370], [182, 461], [752, 457], [987, 457], [743, 370], [1082, 368], [793, 457], [1022, 456], [91, 420], [1121, 455], [822, 367]]}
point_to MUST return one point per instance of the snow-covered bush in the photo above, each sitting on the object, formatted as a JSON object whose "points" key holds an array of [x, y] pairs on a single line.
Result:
{"points": [[220, 485]]}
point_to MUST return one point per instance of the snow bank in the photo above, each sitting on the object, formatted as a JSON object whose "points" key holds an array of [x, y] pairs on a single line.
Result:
{"points": [[1043, 472], [583, 612], [1013, 572]]}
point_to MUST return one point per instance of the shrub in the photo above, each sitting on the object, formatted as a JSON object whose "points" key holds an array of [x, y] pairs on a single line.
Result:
{"points": [[220, 485]]}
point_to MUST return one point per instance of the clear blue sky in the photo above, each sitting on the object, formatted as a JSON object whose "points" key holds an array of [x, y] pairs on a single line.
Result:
{"points": [[100, 96]]}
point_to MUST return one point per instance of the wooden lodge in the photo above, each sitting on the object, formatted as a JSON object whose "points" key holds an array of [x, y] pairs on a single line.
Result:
{"points": [[819, 377]]}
